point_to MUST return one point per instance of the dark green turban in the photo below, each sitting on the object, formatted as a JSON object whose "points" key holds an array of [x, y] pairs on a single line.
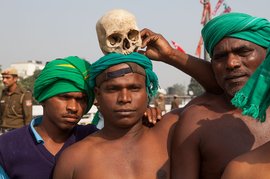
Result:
{"points": [[254, 97], [65, 75], [236, 25], [112, 59]]}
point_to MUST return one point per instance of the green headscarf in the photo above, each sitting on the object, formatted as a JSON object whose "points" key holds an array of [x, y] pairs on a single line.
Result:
{"points": [[112, 59], [254, 97], [65, 75], [236, 25]]}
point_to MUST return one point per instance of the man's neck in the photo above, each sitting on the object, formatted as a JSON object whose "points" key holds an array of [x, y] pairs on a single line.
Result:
{"points": [[112, 133], [53, 138]]}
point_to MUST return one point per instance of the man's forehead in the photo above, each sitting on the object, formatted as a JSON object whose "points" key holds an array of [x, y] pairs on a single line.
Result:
{"points": [[75, 94], [6, 76], [234, 42], [230, 43], [119, 70]]}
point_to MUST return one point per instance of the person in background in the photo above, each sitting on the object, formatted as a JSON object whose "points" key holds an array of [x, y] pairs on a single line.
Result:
{"points": [[175, 102], [159, 103], [15, 104]]}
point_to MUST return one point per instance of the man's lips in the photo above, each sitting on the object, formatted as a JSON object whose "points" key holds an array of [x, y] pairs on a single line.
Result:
{"points": [[125, 111], [235, 77], [71, 118]]}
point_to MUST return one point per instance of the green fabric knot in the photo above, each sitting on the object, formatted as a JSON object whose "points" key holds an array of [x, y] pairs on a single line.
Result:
{"points": [[254, 97]]}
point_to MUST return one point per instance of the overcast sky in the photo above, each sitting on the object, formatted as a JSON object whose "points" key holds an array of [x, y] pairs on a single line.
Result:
{"points": [[49, 29]]}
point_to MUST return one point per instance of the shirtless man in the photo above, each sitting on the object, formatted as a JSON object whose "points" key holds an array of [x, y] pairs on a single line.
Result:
{"points": [[254, 164], [124, 148], [213, 132]]}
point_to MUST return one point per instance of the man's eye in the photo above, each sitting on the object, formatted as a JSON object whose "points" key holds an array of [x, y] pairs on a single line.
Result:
{"points": [[83, 99], [110, 89], [244, 53], [219, 57], [135, 88], [63, 97]]}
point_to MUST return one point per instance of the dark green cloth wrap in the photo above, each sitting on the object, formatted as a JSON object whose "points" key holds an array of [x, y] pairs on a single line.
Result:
{"points": [[112, 59], [236, 25], [65, 75]]}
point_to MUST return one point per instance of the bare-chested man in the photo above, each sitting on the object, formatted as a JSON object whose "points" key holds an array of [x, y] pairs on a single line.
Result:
{"points": [[256, 163], [124, 148], [212, 133]]}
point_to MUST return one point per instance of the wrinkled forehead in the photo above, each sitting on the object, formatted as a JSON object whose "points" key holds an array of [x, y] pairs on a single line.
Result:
{"points": [[232, 44], [119, 70]]}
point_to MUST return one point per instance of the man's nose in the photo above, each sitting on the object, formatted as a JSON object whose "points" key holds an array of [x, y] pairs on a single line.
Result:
{"points": [[233, 61], [124, 96], [72, 105]]}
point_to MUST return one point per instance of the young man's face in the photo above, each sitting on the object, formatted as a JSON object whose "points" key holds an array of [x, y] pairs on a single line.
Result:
{"points": [[122, 100], [65, 110], [234, 61], [9, 80]]}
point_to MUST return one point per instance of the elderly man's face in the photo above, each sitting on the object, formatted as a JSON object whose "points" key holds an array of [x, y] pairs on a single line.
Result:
{"points": [[122, 100], [234, 61]]}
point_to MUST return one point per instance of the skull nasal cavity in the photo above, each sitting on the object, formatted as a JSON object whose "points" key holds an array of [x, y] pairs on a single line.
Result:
{"points": [[126, 44]]}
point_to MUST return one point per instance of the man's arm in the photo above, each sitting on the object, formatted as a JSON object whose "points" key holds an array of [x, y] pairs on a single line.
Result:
{"points": [[236, 170], [158, 48], [27, 107], [185, 154]]}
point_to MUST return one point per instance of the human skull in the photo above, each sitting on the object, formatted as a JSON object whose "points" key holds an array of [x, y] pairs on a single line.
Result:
{"points": [[117, 31]]}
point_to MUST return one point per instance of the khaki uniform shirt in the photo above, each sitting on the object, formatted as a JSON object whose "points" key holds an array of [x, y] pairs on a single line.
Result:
{"points": [[16, 108]]}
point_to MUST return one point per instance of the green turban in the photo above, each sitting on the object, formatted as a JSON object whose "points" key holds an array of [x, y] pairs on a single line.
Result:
{"points": [[236, 25], [112, 59], [65, 75], [254, 97]]}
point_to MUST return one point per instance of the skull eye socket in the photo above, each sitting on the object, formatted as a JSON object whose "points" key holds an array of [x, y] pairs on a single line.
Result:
{"points": [[114, 39], [133, 35]]}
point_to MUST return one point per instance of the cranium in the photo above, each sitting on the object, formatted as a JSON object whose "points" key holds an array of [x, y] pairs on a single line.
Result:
{"points": [[117, 31]]}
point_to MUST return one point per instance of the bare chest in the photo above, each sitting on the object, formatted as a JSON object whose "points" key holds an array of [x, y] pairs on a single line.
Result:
{"points": [[226, 137], [137, 160]]}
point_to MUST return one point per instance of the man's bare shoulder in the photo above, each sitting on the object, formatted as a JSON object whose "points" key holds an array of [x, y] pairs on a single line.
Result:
{"points": [[89, 143], [202, 106], [81, 149], [170, 117], [197, 117], [257, 155], [253, 164], [76, 156]]}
